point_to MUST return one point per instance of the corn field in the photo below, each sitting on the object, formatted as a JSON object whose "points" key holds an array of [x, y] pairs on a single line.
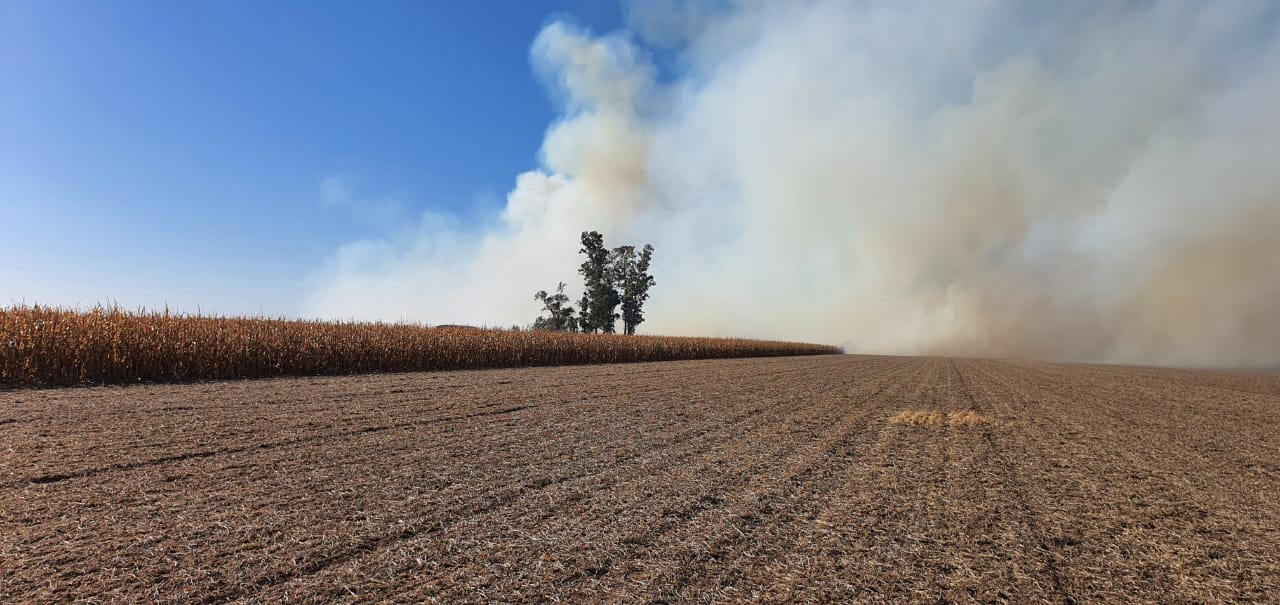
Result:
{"points": [[46, 346]]}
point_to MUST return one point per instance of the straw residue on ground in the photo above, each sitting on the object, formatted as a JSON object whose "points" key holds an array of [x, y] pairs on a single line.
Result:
{"points": [[762, 480]]}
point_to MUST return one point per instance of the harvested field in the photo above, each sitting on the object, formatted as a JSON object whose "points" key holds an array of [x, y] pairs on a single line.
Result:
{"points": [[778, 480]]}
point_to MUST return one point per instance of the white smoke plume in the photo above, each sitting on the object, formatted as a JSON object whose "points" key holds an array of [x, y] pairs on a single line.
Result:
{"points": [[1090, 181]]}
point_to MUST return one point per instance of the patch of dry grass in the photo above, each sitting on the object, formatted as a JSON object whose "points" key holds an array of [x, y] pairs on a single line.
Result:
{"points": [[934, 418]]}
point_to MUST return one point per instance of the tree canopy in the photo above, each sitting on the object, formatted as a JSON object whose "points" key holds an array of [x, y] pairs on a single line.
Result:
{"points": [[611, 278]]}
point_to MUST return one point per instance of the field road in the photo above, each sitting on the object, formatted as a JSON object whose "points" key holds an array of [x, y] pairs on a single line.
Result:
{"points": [[759, 480]]}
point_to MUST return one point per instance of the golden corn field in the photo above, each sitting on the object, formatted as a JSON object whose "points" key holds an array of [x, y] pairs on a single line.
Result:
{"points": [[45, 346]]}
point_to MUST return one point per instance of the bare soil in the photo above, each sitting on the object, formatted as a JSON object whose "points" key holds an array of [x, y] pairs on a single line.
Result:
{"points": [[764, 480]]}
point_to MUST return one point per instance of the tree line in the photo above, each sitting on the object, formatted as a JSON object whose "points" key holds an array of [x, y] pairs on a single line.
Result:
{"points": [[611, 279]]}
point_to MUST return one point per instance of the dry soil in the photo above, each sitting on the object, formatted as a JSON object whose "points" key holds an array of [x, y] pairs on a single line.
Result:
{"points": [[774, 480]]}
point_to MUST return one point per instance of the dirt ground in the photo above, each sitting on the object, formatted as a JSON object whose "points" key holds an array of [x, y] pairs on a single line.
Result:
{"points": [[768, 480]]}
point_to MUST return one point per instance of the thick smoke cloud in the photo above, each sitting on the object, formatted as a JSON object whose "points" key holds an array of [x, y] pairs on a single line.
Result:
{"points": [[1094, 182]]}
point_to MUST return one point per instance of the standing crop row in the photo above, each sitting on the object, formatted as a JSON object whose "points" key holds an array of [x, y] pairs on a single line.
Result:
{"points": [[43, 346]]}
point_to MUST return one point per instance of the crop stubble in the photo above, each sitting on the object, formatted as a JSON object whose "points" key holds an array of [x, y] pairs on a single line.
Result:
{"points": [[778, 479]]}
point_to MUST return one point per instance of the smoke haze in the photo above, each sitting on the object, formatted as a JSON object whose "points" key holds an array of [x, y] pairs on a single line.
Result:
{"points": [[1071, 182]]}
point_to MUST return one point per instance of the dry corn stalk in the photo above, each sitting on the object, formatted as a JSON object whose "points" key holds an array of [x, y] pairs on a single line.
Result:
{"points": [[45, 346]]}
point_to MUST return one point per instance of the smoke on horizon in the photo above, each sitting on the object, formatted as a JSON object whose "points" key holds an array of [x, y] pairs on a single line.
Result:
{"points": [[1069, 182]]}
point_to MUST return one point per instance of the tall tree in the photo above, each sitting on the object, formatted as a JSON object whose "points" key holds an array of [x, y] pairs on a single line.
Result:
{"points": [[584, 322], [630, 272], [559, 312], [600, 298]]}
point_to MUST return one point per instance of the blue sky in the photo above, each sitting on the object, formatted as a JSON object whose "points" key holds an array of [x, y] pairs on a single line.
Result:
{"points": [[159, 152], [1088, 183]]}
